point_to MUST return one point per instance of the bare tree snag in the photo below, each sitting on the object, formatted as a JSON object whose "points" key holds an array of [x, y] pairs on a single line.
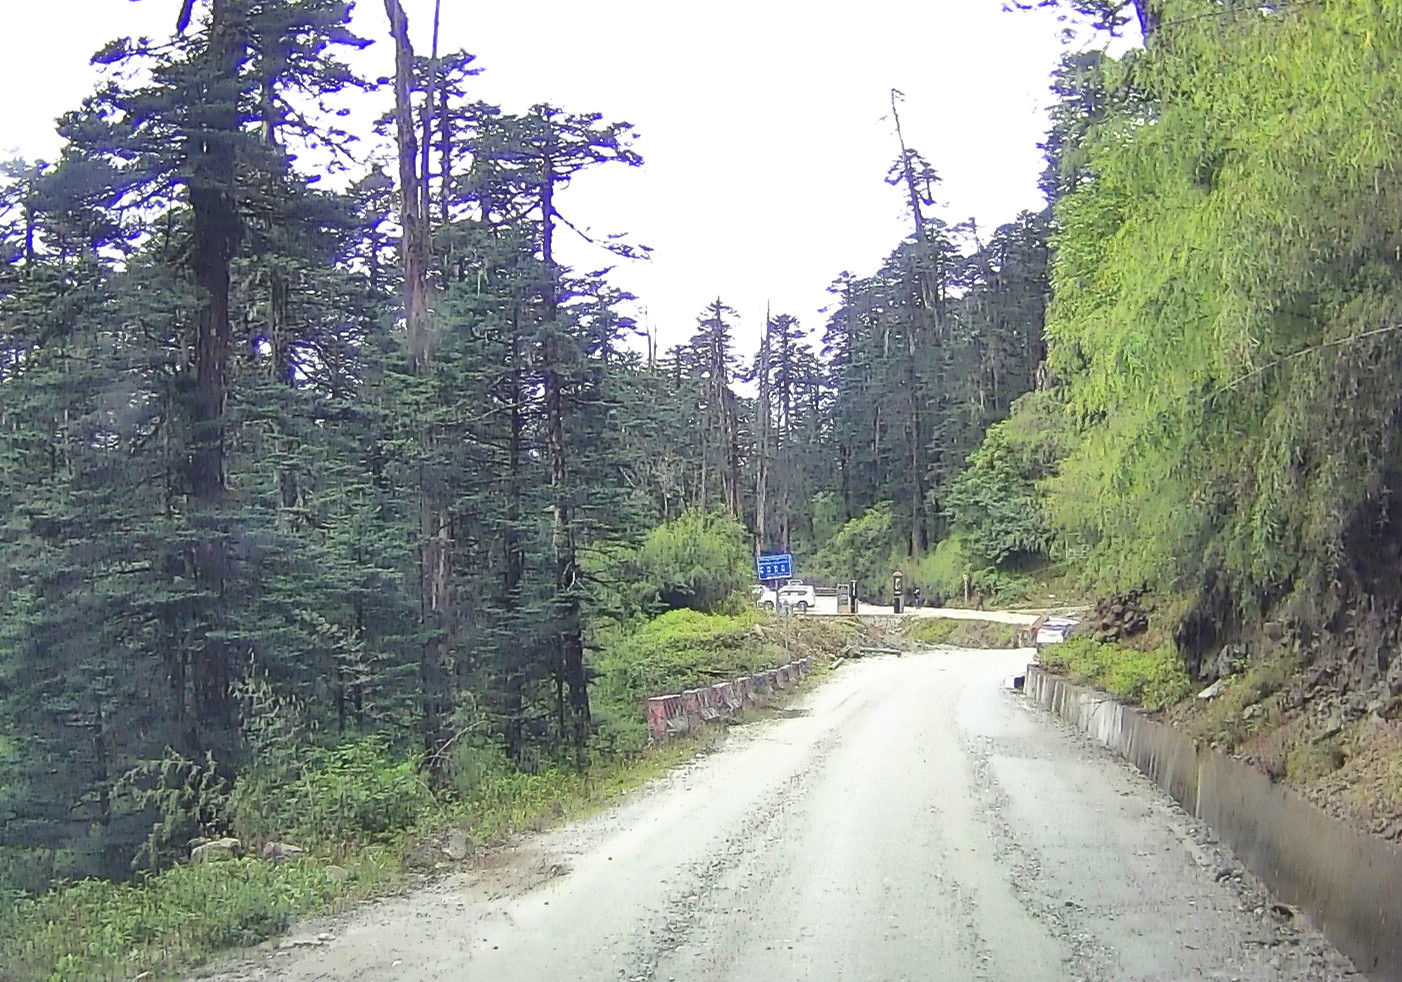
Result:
{"points": [[435, 526]]}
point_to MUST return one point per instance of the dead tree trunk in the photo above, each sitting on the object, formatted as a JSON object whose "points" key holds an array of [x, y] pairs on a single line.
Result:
{"points": [[924, 307], [434, 549], [515, 559]]}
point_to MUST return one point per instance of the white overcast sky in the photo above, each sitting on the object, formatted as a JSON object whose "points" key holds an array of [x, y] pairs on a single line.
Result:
{"points": [[764, 124]]}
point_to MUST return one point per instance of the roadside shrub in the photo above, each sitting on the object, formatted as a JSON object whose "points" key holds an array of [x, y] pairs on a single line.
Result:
{"points": [[356, 792], [861, 549], [940, 573], [944, 573], [1312, 759], [696, 561], [684, 648], [964, 634], [994, 503], [96, 929]]}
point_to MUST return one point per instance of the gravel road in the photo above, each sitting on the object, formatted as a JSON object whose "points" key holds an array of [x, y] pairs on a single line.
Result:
{"points": [[908, 819], [828, 605]]}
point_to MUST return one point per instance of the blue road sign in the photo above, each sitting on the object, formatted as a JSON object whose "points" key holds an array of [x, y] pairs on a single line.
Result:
{"points": [[775, 567]]}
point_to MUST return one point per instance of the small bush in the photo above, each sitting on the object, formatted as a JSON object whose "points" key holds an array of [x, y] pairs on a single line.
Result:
{"points": [[1312, 760], [1264, 679], [946, 572], [995, 504], [684, 649], [355, 792], [860, 550], [695, 561], [940, 573], [1392, 789]]}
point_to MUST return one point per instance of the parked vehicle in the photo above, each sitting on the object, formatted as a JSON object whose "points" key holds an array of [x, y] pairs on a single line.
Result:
{"points": [[1053, 629], [800, 597]]}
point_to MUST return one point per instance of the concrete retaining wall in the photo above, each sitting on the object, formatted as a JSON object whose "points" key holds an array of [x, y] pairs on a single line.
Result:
{"points": [[1347, 883], [683, 712]]}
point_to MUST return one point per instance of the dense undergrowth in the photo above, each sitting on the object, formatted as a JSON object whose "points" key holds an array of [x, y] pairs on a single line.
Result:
{"points": [[363, 811], [682, 649]]}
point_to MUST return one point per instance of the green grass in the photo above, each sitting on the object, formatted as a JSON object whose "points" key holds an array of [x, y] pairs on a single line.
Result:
{"points": [[96, 929], [684, 649], [1220, 720], [962, 634], [1153, 679]]}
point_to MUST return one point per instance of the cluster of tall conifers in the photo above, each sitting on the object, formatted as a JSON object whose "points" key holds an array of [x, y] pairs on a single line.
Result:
{"points": [[259, 432], [346, 447]]}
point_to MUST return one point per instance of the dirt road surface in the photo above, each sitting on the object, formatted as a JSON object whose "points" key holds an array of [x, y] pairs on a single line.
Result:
{"points": [[952, 613], [828, 605], [909, 819]]}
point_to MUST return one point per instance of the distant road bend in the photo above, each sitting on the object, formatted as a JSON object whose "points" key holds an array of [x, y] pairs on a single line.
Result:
{"points": [[909, 819]]}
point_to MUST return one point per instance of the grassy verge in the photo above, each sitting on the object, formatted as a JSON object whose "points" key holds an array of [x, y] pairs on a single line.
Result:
{"points": [[96, 929], [365, 818], [684, 649], [1154, 679], [963, 634]]}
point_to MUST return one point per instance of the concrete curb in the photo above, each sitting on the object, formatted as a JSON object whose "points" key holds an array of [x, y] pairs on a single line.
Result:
{"points": [[1346, 883], [686, 711]]}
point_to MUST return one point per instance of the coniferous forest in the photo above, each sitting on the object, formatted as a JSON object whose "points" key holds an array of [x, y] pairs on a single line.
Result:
{"points": [[321, 474], [362, 460]]}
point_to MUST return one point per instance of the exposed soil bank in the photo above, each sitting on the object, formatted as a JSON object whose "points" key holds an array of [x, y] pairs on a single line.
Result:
{"points": [[1347, 883]]}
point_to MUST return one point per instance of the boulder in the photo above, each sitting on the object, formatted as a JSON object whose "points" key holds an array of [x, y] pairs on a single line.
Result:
{"points": [[1213, 690], [280, 852], [457, 846], [1232, 659], [216, 851], [1120, 616]]}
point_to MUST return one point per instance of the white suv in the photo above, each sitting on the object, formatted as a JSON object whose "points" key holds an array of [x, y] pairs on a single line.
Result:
{"points": [[798, 596]]}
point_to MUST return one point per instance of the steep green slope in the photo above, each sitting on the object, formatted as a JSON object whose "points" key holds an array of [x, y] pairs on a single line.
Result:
{"points": [[1224, 327]]}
